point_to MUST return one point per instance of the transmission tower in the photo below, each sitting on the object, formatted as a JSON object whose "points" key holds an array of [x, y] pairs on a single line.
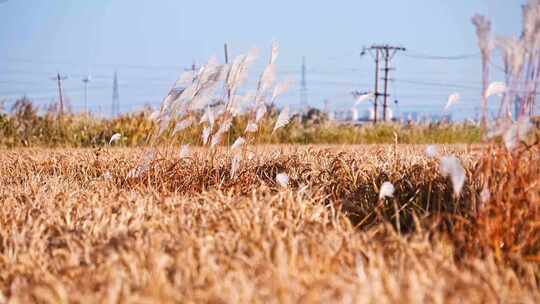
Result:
{"points": [[115, 96], [303, 89], [59, 79], [386, 53]]}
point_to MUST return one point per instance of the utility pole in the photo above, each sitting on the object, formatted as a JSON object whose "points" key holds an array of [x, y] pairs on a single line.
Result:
{"points": [[387, 52], [59, 78], [226, 49], [375, 113], [303, 89], [386, 70], [193, 70], [116, 96], [86, 80]]}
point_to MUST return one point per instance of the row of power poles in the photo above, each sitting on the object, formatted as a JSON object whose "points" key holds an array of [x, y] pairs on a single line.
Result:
{"points": [[385, 53], [115, 109]]}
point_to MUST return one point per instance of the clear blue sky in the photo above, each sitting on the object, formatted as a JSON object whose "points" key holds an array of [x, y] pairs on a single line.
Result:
{"points": [[149, 43]]}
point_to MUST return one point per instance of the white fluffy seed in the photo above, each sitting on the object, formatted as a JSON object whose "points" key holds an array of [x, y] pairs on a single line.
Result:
{"points": [[387, 190], [184, 151], [432, 151], [116, 137], [450, 166], [282, 179], [238, 143]]}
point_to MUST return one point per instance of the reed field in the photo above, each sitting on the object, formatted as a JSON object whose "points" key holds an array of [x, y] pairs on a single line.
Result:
{"points": [[218, 195], [130, 225]]}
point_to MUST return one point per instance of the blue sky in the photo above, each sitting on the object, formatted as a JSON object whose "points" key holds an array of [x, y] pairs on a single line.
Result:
{"points": [[149, 43]]}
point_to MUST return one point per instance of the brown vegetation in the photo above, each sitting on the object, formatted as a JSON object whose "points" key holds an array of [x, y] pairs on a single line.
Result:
{"points": [[74, 228]]}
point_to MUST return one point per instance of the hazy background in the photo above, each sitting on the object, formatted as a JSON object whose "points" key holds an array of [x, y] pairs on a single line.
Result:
{"points": [[150, 43]]}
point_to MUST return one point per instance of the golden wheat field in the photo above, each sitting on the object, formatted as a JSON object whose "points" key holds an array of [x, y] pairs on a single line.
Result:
{"points": [[114, 225]]}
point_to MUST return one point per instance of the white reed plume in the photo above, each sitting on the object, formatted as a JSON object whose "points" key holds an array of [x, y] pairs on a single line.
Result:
{"points": [[206, 134], [241, 103], [485, 43], [514, 51], [216, 139], [532, 26], [360, 98], [238, 71], [483, 33], [163, 124], [279, 89], [530, 21], [199, 94], [251, 127], [282, 179], [452, 99], [107, 175], [283, 119], [184, 151], [186, 78], [208, 116], [219, 110], [451, 166], [275, 52], [235, 164], [517, 132], [224, 128], [144, 166], [432, 151], [200, 101], [387, 190], [116, 137], [495, 88], [485, 195], [168, 102], [268, 77], [180, 109], [261, 110], [238, 143], [186, 97], [155, 115], [183, 124], [210, 74], [135, 172], [237, 111]]}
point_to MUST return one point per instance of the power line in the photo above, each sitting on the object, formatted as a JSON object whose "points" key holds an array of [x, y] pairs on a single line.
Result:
{"points": [[280, 70], [114, 65], [329, 82], [417, 55], [438, 84]]}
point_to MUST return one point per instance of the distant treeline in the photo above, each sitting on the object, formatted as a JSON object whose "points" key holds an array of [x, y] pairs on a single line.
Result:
{"points": [[24, 125]]}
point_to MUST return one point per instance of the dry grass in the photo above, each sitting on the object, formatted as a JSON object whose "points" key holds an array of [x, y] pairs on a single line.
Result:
{"points": [[184, 231]]}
